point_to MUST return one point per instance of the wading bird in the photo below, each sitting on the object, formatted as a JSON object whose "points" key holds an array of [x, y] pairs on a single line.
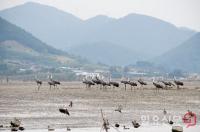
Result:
{"points": [[142, 83], [88, 83], [167, 84], [125, 82], [133, 84], [157, 85], [96, 80], [64, 111], [178, 83], [114, 84], [135, 124], [38, 82], [53, 82]]}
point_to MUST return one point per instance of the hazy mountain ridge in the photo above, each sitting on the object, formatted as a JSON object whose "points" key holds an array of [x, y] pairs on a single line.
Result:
{"points": [[104, 52], [144, 36], [184, 57], [19, 45], [46, 23]]}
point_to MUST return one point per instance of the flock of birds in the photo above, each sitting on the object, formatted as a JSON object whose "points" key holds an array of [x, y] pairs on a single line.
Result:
{"points": [[91, 81], [99, 81], [161, 84], [51, 82]]}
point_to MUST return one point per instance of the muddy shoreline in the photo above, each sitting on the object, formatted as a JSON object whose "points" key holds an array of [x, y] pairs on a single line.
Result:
{"points": [[38, 109]]}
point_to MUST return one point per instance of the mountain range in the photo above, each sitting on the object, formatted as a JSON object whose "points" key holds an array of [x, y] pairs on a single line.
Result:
{"points": [[107, 53], [125, 40], [20, 47], [185, 56]]}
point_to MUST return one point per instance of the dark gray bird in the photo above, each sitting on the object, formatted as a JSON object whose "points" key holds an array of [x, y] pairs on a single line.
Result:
{"points": [[96, 80], [100, 82], [21, 128], [135, 124], [38, 82], [105, 84], [167, 83], [55, 82], [15, 123], [133, 84], [125, 82], [88, 83], [178, 83], [117, 125], [51, 84], [64, 111], [158, 86], [114, 84], [142, 83], [170, 122]]}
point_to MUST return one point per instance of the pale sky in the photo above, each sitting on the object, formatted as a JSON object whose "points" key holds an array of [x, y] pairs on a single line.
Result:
{"points": [[184, 13]]}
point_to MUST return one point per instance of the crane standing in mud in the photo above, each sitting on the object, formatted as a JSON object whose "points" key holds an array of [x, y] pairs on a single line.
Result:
{"points": [[157, 85], [87, 82], [142, 83], [38, 82], [113, 83], [53, 82], [133, 84], [178, 83], [125, 82]]}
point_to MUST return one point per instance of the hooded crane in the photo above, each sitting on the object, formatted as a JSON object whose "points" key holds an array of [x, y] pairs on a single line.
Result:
{"points": [[53, 82], [157, 85], [167, 83], [178, 83], [96, 80], [88, 83], [64, 111], [38, 82], [135, 124], [125, 82], [142, 83], [104, 83], [133, 84], [114, 84]]}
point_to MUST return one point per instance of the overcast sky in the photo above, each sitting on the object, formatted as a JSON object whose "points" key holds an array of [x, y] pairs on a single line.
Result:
{"points": [[179, 12]]}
